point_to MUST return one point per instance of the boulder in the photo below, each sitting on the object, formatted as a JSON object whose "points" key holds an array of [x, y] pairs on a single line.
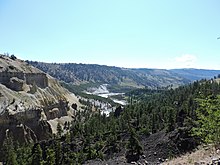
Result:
{"points": [[15, 84]]}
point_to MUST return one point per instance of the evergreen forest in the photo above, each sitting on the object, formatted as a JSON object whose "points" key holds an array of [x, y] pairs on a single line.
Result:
{"points": [[188, 116]]}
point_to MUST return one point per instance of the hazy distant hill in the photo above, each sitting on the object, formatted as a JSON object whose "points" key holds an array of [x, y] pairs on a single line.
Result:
{"points": [[196, 74], [115, 76]]}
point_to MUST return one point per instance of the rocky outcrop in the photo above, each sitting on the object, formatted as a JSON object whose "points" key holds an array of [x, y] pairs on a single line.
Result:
{"points": [[40, 79], [15, 84], [14, 73], [22, 124], [16, 80], [18, 131], [56, 110], [29, 99], [31, 125]]}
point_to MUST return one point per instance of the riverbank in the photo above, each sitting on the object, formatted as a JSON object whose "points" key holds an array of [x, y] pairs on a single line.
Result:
{"points": [[103, 91]]}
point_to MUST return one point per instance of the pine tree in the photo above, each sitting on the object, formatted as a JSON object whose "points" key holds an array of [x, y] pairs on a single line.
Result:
{"points": [[134, 148], [23, 154], [37, 156], [50, 159], [208, 123], [170, 117], [58, 151], [9, 152], [59, 130]]}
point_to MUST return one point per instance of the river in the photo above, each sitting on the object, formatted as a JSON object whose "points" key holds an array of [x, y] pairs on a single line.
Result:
{"points": [[103, 91]]}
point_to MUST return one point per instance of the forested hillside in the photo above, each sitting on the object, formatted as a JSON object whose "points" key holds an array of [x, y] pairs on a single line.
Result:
{"points": [[158, 124], [118, 78]]}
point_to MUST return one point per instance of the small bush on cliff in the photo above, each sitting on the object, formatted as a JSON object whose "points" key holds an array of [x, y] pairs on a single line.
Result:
{"points": [[13, 57]]}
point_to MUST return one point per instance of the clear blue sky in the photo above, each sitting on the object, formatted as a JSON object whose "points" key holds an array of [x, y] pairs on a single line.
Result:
{"points": [[126, 33]]}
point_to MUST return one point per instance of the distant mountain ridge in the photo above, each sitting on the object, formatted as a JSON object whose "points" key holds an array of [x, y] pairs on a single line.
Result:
{"points": [[122, 77], [196, 74], [114, 76]]}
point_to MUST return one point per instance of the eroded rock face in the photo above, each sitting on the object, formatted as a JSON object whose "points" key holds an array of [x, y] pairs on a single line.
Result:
{"points": [[29, 122], [20, 132], [29, 98], [16, 80], [56, 110], [14, 73], [40, 79], [30, 125], [23, 125], [16, 84]]}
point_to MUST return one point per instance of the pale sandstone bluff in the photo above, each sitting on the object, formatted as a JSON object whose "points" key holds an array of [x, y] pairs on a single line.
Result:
{"points": [[31, 101]]}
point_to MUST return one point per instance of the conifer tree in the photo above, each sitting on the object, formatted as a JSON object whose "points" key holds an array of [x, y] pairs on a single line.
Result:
{"points": [[50, 159], [59, 130], [208, 123], [37, 158], [170, 119], [9, 152], [58, 151]]}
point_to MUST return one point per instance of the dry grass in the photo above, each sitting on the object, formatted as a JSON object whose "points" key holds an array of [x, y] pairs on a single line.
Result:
{"points": [[203, 155]]}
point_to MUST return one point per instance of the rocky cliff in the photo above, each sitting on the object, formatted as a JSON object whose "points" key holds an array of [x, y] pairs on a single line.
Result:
{"points": [[29, 101]]}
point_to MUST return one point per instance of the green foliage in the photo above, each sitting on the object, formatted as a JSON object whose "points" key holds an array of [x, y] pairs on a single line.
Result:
{"points": [[14, 153], [37, 158], [208, 123], [50, 158], [23, 154], [58, 151], [134, 147], [10, 156], [170, 119], [92, 135], [59, 130]]}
